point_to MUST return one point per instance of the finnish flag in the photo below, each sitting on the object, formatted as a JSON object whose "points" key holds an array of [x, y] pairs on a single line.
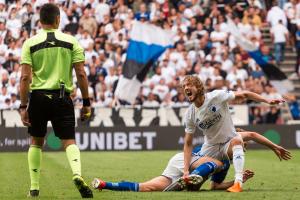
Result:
{"points": [[147, 43]]}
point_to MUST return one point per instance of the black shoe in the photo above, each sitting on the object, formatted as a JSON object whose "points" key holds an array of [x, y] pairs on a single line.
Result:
{"points": [[82, 187], [33, 193]]}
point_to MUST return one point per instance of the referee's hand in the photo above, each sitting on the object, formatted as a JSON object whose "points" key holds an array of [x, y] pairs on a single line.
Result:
{"points": [[25, 117], [85, 113]]}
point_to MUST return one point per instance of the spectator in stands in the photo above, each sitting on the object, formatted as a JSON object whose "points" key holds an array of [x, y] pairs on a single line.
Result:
{"points": [[255, 3], [88, 22], [101, 10], [203, 45], [13, 86], [14, 23], [280, 36], [273, 116], [227, 63], [9, 63], [217, 37], [151, 101], [167, 101], [294, 107], [254, 33], [180, 100], [266, 54], [4, 94], [257, 72], [275, 14], [6, 105], [251, 16], [256, 116], [15, 102], [143, 14], [73, 17], [27, 17]]}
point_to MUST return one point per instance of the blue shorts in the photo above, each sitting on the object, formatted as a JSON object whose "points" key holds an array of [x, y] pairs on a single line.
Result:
{"points": [[220, 176]]}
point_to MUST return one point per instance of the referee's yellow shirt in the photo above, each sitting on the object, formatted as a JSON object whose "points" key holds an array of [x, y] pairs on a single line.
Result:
{"points": [[51, 54]]}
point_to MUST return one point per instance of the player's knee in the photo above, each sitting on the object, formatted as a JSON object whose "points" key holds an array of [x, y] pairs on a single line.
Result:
{"points": [[236, 141]]}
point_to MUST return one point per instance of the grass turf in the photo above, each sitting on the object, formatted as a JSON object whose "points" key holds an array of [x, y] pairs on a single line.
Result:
{"points": [[273, 179]]}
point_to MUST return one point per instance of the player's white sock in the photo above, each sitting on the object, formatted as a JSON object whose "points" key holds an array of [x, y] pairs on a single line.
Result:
{"points": [[238, 162]]}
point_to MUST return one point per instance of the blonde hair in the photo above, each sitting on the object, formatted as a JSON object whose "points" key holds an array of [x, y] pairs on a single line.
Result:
{"points": [[194, 80]]}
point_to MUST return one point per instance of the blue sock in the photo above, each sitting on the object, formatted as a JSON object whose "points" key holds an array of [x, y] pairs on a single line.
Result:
{"points": [[205, 169], [122, 186]]}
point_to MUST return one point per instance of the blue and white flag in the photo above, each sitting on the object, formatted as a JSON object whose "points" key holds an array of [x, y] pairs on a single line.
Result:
{"points": [[276, 77], [147, 43]]}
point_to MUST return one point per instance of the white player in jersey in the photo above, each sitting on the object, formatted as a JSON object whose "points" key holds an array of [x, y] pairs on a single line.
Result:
{"points": [[210, 113]]}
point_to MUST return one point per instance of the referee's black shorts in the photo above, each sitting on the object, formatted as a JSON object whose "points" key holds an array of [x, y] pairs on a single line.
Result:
{"points": [[46, 106]]}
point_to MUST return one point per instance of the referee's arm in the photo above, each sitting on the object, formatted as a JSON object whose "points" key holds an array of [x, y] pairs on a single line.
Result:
{"points": [[83, 85], [24, 91], [24, 83], [82, 79], [26, 63]]}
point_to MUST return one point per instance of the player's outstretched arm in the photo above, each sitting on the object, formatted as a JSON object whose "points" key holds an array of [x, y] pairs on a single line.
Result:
{"points": [[282, 153], [243, 95], [225, 185]]}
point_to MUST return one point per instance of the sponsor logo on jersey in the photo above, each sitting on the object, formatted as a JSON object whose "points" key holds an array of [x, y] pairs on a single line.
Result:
{"points": [[211, 121]]}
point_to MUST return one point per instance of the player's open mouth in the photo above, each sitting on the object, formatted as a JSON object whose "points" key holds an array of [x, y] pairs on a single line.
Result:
{"points": [[188, 93]]}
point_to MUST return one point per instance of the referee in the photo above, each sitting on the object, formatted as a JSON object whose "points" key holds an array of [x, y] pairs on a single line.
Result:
{"points": [[47, 60]]}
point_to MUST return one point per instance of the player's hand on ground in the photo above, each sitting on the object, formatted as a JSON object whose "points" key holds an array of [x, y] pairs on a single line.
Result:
{"points": [[247, 175], [85, 113], [25, 117], [275, 101], [282, 153], [185, 175]]}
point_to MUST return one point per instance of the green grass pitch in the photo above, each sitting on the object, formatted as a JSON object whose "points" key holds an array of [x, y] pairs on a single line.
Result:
{"points": [[273, 179]]}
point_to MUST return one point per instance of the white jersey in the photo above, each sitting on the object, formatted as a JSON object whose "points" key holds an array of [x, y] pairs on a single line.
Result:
{"points": [[212, 118]]}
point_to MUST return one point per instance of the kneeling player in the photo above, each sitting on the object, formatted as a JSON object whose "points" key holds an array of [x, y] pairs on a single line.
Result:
{"points": [[201, 169]]}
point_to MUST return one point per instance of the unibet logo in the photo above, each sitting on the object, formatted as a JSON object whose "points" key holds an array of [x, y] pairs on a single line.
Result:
{"points": [[273, 136], [53, 142]]}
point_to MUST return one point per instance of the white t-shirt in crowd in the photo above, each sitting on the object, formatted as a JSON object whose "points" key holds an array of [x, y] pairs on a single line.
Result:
{"points": [[276, 14], [101, 10], [279, 31]]}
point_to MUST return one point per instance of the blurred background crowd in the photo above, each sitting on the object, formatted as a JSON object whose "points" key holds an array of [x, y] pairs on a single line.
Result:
{"points": [[203, 46]]}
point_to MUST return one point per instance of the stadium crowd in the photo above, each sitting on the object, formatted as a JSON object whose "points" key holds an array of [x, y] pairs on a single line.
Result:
{"points": [[203, 46]]}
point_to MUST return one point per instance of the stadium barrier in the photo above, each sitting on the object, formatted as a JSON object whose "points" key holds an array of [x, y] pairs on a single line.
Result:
{"points": [[133, 129]]}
